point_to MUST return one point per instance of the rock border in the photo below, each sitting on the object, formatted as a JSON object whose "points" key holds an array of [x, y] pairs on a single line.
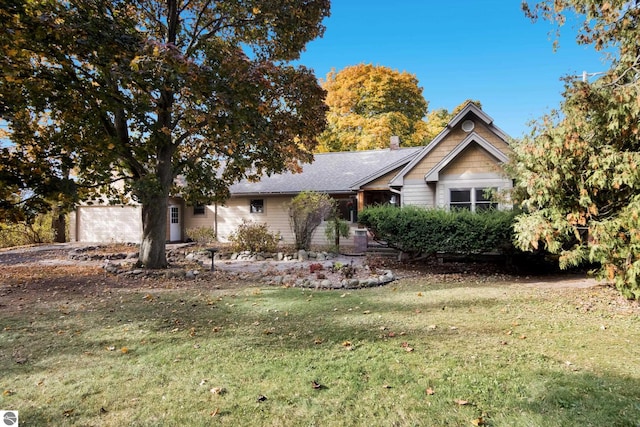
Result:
{"points": [[302, 277]]}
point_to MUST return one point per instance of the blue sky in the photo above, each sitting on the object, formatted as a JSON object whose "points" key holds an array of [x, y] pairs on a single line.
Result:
{"points": [[458, 49]]}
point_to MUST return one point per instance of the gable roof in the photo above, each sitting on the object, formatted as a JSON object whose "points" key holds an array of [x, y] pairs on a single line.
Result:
{"points": [[434, 174], [469, 110], [337, 172]]}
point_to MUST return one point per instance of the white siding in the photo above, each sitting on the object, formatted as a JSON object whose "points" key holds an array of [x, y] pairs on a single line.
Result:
{"points": [[417, 193]]}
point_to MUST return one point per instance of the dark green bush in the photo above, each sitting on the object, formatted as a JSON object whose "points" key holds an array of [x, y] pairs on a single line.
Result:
{"points": [[427, 231]]}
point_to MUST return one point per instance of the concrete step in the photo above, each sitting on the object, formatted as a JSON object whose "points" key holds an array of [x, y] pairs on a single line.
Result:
{"points": [[382, 251]]}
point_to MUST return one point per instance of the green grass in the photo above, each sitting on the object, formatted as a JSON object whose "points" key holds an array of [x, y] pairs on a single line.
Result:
{"points": [[149, 357]]}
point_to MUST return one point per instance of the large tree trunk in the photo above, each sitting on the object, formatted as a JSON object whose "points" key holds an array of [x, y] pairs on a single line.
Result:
{"points": [[154, 213], [59, 225], [154, 233]]}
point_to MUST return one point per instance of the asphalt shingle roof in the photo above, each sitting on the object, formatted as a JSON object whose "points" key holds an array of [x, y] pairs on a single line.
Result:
{"points": [[330, 172]]}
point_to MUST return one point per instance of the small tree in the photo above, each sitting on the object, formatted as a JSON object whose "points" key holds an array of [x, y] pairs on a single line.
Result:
{"points": [[336, 228], [306, 212]]}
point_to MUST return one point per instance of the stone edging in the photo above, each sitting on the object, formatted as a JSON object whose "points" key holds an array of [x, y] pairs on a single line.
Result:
{"points": [[203, 259]]}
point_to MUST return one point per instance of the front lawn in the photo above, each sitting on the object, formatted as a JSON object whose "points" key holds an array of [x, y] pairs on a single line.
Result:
{"points": [[81, 348]]}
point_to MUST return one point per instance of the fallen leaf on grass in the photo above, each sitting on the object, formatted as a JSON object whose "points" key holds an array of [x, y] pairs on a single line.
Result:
{"points": [[216, 412], [387, 386], [317, 341], [461, 402], [68, 412], [218, 390], [406, 346], [316, 385], [124, 350], [430, 392], [7, 392], [478, 422], [261, 398]]}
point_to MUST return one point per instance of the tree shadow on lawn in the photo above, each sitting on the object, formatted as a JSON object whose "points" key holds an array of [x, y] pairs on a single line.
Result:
{"points": [[87, 321], [582, 398], [275, 318]]}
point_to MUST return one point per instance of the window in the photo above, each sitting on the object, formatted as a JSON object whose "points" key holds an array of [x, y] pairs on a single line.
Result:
{"points": [[256, 206], [483, 199], [348, 209], [460, 199], [175, 215], [198, 210], [473, 199]]}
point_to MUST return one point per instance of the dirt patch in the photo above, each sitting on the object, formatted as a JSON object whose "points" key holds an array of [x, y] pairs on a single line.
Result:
{"points": [[30, 275]]}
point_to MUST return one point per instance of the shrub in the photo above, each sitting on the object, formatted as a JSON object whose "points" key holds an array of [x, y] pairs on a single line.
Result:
{"points": [[335, 229], [202, 235], [254, 237], [306, 212], [38, 230], [427, 231]]}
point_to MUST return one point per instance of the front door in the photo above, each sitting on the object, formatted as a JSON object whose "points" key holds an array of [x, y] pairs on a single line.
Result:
{"points": [[175, 231]]}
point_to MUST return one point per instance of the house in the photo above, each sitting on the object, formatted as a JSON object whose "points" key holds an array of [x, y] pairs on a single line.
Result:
{"points": [[454, 170]]}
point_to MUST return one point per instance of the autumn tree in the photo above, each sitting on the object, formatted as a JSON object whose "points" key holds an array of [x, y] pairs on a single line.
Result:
{"points": [[578, 173], [368, 104], [129, 96], [438, 119]]}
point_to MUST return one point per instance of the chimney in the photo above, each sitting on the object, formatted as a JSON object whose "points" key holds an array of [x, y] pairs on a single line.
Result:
{"points": [[395, 142]]}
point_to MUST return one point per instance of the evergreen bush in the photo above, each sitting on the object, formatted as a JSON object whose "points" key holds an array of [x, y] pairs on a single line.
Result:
{"points": [[420, 231]]}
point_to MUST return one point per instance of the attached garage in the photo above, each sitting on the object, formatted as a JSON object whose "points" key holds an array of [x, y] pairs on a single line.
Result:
{"points": [[106, 224]]}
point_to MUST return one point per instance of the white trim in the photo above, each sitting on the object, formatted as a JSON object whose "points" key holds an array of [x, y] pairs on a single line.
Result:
{"points": [[473, 182]]}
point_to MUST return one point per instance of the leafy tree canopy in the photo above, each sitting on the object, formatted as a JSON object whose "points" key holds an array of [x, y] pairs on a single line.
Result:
{"points": [[140, 93], [578, 174], [368, 104], [438, 119]]}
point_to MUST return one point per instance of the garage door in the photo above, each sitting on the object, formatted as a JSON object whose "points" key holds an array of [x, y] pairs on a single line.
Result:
{"points": [[109, 224]]}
